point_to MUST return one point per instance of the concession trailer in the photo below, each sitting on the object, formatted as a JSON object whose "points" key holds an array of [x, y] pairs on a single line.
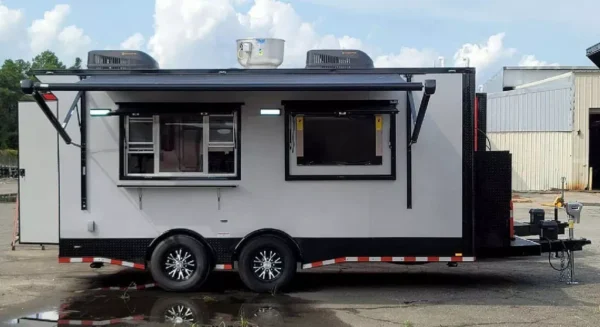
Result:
{"points": [[265, 170]]}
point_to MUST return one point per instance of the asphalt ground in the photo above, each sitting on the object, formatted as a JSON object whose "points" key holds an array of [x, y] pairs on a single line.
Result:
{"points": [[515, 292]]}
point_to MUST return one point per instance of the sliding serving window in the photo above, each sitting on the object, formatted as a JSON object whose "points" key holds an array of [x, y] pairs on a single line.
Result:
{"points": [[181, 145], [333, 140]]}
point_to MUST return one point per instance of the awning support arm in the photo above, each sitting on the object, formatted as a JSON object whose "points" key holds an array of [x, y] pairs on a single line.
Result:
{"points": [[74, 106], [429, 89], [46, 110]]}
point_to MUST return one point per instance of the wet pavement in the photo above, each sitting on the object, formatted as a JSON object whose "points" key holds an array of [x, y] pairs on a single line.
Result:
{"points": [[153, 307], [223, 302], [37, 291]]}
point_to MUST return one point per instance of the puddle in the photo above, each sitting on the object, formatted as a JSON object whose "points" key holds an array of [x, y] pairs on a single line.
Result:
{"points": [[158, 308]]}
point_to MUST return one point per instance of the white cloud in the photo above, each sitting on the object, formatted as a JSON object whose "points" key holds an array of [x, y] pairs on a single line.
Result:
{"points": [[481, 56], [408, 57], [202, 33], [531, 60], [49, 33], [43, 32], [9, 22], [134, 42], [72, 40]]}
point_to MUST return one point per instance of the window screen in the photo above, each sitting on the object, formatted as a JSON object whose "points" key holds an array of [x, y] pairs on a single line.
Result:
{"points": [[339, 141]]}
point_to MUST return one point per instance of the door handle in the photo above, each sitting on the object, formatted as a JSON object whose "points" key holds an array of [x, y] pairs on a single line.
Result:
{"points": [[22, 172]]}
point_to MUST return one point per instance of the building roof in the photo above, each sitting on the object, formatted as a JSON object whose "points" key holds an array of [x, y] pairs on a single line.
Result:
{"points": [[571, 68]]}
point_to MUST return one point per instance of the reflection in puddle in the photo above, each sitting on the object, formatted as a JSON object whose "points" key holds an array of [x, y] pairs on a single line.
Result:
{"points": [[156, 307]]}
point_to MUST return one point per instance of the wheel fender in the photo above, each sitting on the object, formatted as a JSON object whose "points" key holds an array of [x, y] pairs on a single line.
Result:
{"points": [[180, 231], [268, 231]]}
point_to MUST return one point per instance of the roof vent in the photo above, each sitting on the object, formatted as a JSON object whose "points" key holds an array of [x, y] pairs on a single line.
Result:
{"points": [[120, 60], [260, 52], [338, 59]]}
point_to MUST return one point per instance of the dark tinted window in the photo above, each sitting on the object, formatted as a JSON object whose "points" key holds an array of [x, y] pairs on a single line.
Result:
{"points": [[339, 141]]}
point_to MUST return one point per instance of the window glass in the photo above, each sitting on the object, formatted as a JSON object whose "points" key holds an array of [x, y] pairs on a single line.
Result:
{"points": [[221, 129], [339, 141], [181, 144], [221, 160], [140, 163], [140, 130]]}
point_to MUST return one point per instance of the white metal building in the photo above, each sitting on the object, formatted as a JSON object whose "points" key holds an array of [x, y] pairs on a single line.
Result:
{"points": [[543, 118]]}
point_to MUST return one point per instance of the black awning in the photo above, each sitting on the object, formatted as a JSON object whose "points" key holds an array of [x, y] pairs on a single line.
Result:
{"points": [[254, 81]]}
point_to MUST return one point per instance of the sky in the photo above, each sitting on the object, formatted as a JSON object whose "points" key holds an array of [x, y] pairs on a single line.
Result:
{"points": [[395, 33]]}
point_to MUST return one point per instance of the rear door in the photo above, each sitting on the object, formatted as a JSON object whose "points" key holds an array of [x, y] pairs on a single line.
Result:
{"points": [[38, 180]]}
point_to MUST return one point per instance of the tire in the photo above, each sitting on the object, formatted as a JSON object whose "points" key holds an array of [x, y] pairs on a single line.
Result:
{"points": [[180, 311], [282, 257], [165, 262]]}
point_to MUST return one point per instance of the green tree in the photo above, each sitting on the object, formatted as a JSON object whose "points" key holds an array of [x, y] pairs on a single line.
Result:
{"points": [[47, 60], [77, 64], [11, 74]]}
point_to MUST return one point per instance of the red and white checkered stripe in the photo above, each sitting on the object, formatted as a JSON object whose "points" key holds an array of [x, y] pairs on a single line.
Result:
{"points": [[386, 259], [100, 322], [117, 288], [226, 266], [102, 260]]}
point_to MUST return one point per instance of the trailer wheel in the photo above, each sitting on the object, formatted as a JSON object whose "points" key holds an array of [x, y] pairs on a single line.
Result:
{"points": [[267, 264], [179, 263]]}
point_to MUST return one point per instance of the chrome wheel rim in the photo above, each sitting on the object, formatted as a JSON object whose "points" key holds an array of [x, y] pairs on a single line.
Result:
{"points": [[179, 314], [267, 265], [180, 264]]}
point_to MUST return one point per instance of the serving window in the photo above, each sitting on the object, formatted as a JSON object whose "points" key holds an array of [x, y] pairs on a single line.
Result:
{"points": [[333, 140], [181, 145]]}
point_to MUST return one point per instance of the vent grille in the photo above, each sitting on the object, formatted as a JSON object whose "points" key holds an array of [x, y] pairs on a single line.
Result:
{"points": [[120, 60], [338, 59]]}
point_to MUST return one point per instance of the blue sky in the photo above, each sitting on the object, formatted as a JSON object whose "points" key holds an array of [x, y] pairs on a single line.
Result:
{"points": [[200, 33]]}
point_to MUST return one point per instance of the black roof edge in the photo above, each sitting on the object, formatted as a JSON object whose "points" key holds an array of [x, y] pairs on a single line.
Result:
{"points": [[401, 71]]}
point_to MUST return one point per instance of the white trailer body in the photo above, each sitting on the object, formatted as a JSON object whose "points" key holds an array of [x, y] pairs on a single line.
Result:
{"points": [[319, 167]]}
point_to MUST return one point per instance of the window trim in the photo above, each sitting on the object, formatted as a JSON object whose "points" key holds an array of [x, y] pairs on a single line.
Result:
{"points": [[328, 108], [184, 108]]}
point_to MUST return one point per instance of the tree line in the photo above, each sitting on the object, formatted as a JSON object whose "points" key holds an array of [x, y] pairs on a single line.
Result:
{"points": [[11, 74]]}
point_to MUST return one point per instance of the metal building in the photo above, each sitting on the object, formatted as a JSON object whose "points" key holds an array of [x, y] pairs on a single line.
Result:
{"points": [[542, 115]]}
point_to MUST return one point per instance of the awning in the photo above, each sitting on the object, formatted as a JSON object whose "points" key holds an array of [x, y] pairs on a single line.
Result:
{"points": [[254, 81]]}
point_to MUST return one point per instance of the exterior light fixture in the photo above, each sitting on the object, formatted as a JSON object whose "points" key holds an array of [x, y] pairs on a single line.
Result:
{"points": [[100, 112], [270, 112]]}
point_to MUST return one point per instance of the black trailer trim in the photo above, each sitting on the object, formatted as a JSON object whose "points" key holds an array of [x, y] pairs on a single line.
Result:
{"points": [[83, 146], [409, 114], [312, 248], [278, 71], [341, 107], [468, 185], [334, 108], [233, 107], [157, 108], [520, 247]]}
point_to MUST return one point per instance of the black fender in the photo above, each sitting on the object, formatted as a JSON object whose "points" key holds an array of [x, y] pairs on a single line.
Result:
{"points": [[180, 231], [268, 231]]}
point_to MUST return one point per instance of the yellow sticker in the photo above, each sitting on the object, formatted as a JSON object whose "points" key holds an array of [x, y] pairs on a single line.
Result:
{"points": [[378, 123], [299, 123], [260, 52]]}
